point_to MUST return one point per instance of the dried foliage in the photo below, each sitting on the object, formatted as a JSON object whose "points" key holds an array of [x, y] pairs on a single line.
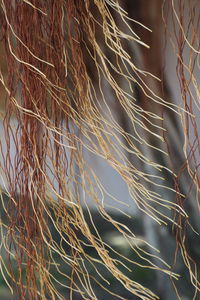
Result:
{"points": [[72, 68]]}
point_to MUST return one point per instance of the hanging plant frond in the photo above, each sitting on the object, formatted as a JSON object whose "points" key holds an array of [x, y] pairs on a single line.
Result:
{"points": [[81, 87]]}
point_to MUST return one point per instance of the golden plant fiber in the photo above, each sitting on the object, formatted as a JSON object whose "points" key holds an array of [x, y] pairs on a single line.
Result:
{"points": [[71, 67]]}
